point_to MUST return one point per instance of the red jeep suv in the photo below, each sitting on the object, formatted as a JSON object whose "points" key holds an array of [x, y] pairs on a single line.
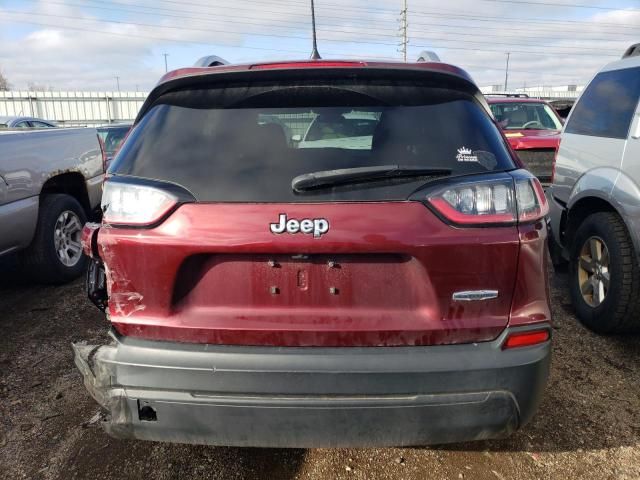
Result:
{"points": [[383, 284]]}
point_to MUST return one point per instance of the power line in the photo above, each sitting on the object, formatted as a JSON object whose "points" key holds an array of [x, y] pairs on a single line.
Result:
{"points": [[501, 69], [192, 42], [289, 4], [439, 12], [578, 50], [288, 24], [526, 52], [529, 29], [304, 25], [545, 4], [128, 35], [524, 21], [357, 10]]}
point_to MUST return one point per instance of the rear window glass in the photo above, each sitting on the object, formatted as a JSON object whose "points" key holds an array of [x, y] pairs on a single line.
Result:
{"points": [[252, 150], [607, 105]]}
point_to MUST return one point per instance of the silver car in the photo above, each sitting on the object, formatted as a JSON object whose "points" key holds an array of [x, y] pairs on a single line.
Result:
{"points": [[595, 199], [25, 122]]}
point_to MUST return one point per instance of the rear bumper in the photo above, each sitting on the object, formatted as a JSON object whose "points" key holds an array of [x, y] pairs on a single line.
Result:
{"points": [[313, 397]]}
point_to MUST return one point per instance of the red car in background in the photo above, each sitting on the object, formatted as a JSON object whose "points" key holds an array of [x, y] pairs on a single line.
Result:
{"points": [[533, 129]]}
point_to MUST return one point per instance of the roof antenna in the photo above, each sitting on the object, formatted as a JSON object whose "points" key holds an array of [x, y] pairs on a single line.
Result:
{"points": [[314, 53]]}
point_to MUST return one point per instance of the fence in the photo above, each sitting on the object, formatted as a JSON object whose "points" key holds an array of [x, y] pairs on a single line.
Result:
{"points": [[552, 94], [546, 93], [73, 108], [99, 108]]}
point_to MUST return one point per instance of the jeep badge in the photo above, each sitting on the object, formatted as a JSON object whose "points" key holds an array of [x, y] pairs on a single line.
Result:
{"points": [[316, 226]]}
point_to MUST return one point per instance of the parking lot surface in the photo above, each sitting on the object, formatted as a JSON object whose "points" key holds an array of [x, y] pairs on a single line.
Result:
{"points": [[587, 427]]}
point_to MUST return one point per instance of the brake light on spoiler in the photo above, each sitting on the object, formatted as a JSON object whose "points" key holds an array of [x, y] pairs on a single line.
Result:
{"points": [[309, 64]]}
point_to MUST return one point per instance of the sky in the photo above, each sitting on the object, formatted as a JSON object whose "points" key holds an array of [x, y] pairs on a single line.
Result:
{"points": [[86, 44]]}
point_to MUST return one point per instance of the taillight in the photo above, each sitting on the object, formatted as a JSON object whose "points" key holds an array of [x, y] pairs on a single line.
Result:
{"points": [[502, 201], [531, 201], [480, 203], [526, 339], [135, 205]]}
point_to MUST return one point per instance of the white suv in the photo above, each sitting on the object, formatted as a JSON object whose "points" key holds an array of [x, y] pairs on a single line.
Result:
{"points": [[595, 199]]}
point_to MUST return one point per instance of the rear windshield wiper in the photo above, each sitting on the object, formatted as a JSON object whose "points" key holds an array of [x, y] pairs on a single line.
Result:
{"points": [[346, 176]]}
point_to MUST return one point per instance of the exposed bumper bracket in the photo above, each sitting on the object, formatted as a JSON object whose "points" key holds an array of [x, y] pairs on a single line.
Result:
{"points": [[97, 284]]}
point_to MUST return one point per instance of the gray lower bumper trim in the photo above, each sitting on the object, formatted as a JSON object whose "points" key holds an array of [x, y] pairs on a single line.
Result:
{"points": [[313, 397]]}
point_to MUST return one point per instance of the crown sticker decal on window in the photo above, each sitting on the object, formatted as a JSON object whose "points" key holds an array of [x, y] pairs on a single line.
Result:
{"points": [[466, 155]]}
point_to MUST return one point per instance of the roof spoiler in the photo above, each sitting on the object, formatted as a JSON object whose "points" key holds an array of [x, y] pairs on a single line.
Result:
{"points": [[632, 51], [210, 61], [428, 56]]}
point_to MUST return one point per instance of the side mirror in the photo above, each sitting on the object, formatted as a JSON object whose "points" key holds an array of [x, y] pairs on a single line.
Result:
{"points": [[296, 138]]}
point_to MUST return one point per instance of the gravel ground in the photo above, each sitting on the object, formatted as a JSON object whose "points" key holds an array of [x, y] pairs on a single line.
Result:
{"points": [[588, 426]]}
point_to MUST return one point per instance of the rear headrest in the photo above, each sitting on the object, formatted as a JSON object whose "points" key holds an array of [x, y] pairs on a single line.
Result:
{"points": [[517, 117], [273, 136], [391, 126]]}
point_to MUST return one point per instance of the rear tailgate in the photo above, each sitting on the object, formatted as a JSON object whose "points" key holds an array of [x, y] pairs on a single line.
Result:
{"points": [[384, 272], [216, 274]]}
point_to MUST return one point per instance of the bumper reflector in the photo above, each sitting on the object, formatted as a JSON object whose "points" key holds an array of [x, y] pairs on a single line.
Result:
{"points": [[526, 339]]}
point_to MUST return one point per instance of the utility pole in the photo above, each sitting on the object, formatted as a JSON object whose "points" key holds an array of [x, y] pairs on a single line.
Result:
{"points": [[166, 68], [118, 83], [403, 30], [315, 55], [506, 74]]}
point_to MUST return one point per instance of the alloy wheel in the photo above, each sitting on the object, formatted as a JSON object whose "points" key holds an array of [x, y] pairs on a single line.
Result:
{"points": [[66, 236], [593, 271]]}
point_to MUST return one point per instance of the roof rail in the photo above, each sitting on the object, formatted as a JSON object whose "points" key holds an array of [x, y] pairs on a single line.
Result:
{"points": [[632, 51], [428, 56], [509, 95], [210, 61]]}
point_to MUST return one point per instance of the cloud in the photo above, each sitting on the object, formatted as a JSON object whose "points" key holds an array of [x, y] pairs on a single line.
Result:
{"points": [[66, 44]]}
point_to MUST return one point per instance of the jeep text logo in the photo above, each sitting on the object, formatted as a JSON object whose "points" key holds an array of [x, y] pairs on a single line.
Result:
{"points": [[316, 226]]}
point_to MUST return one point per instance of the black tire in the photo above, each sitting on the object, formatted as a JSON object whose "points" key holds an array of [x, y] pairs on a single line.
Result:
{"points": [[40, 259], [619, 312]]}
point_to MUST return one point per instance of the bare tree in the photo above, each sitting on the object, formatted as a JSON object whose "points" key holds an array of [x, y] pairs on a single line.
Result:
{"points": [[4, 83]]}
